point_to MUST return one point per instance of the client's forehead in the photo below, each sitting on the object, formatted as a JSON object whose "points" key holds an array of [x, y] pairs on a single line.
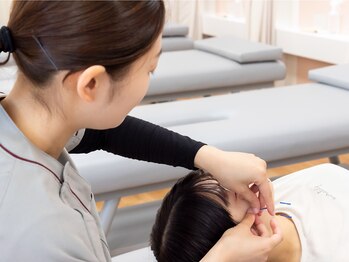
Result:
{"points": [[210, 188]]}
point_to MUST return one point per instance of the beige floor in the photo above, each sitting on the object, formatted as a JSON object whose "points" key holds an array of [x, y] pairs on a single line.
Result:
{"points": [[159, 194]]}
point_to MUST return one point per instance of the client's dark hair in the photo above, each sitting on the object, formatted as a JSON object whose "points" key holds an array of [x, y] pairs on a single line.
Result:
{"points": [[191, 219]]}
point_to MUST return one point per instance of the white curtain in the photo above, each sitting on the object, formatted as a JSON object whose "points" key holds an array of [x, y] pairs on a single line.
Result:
{"points": [[189, 13], [260, 20], [4, 11]]}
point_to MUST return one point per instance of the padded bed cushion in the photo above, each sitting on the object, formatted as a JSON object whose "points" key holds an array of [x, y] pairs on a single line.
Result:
{"points": [[200, 71], [239, 50], [332, 75], [176, 43], [173, 29], [144, 255], [276, 124], [192, 70], [175, 38]]}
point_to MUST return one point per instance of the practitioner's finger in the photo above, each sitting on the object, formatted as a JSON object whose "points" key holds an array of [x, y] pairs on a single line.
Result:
{"points": [[254, 231], [262, 202], [262, 230], [277, 236], [250, 197], [266, 192], [258, 220], [248, 220]]}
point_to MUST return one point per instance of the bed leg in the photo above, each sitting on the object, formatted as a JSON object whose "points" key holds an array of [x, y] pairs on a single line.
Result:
{"points": [[107, 214], [334, 160]]}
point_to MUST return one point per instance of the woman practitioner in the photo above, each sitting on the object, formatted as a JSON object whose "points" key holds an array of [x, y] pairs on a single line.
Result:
{"points": [[83, 65]]}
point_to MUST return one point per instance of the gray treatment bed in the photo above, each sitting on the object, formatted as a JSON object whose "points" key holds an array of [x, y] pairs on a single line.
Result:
{"points": [[175, 37], [282, 125], [146, 255], [215, 66], [199, 68]]}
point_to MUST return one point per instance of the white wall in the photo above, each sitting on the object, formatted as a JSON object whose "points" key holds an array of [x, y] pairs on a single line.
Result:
{"points": [[286, 13], [188, 12], [4, 11]]}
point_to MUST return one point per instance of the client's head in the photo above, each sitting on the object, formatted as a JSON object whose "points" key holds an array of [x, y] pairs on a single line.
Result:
{"points": [[192, 218]]}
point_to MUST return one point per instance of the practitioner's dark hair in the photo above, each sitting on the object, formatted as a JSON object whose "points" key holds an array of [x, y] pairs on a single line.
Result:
{"points": [[191, 219], [48, 36]]}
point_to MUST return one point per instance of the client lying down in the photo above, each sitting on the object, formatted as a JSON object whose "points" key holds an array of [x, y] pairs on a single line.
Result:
{"points": [[311, 208]]}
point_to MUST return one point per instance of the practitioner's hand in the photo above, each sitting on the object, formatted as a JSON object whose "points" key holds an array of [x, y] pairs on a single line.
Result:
{"points": [[237, 172], [239, 244]]}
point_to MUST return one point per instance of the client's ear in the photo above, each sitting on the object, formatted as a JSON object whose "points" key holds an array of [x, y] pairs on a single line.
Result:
{"points": [[90, 82]]}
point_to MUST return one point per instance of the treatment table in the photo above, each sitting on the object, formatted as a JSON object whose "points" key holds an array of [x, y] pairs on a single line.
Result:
{"points": [[190, 68], [210, 66], [215, 66], [282, 125], [175, 37], [146, 255], [143, 254]]}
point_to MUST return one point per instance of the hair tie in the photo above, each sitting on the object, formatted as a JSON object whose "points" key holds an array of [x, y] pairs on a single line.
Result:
{"points": [[6, 40]]}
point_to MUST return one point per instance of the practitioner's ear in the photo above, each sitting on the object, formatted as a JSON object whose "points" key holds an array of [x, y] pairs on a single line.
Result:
{"points": [[92, 82]]}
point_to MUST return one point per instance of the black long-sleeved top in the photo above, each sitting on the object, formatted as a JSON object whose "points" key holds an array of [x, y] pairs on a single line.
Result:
{"points": [[139, 139]]}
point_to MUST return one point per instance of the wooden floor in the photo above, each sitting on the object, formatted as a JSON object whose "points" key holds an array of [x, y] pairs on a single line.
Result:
{"points": [[159, 194]]}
